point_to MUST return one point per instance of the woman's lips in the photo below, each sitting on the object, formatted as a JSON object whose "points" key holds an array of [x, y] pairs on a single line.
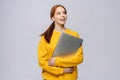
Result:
{"points": [[62, 19]]}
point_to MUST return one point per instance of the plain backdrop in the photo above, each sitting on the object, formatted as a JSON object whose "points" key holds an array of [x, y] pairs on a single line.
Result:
{"points": [[97, 22]]}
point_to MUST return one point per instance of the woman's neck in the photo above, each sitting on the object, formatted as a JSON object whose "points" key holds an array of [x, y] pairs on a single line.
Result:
{"points": [[60, 28]]}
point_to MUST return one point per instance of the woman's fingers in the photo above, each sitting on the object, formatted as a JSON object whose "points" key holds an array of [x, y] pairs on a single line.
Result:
{"points": [[68, 70], [51, 62]]}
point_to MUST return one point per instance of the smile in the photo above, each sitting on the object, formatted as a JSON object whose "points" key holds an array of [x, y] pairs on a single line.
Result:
{"points": [[62, 19]]}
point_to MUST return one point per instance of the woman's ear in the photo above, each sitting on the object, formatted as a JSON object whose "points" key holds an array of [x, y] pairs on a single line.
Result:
{"points": [[52, 18]]}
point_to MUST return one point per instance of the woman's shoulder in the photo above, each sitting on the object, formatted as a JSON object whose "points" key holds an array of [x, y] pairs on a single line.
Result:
{"points": [[42, 38], [72, 32]]}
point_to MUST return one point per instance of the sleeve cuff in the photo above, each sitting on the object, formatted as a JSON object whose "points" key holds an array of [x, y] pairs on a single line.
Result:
{"points": [[61, 70], [56, 61]]}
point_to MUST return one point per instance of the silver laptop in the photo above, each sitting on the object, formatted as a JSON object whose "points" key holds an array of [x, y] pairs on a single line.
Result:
{"points": [[67, 44]]}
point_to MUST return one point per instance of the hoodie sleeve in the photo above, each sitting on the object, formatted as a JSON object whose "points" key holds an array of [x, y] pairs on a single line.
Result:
{"points": [[43, 59], [70, 61]]}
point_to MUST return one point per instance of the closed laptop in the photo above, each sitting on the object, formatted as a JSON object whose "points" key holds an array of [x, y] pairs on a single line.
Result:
{"points": [[67, 44]]}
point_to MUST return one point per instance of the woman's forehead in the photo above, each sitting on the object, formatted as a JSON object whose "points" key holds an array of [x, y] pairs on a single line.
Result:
{"points": [[59, 9]]}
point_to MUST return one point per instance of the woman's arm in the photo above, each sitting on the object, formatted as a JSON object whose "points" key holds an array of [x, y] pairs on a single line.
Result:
{"points": [[70, 61], [43, 59]]}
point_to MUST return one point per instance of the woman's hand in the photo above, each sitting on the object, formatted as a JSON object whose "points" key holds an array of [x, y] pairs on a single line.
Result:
{"points": [[51, 62], [68, 70]]}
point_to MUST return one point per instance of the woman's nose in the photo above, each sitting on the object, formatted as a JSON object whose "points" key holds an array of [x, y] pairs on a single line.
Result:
{"points": [[62, 15]]}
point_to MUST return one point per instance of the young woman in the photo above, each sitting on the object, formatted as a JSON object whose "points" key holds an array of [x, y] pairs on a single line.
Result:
{"points": [[57, 68]]}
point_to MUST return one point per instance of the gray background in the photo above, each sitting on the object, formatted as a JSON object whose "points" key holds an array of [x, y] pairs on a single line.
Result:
{"points": [[22, 21]]}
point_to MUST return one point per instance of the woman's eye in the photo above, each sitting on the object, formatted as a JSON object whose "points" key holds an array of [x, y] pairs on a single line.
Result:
{"points": [[61, 13], [58, 13], [64, 12]]}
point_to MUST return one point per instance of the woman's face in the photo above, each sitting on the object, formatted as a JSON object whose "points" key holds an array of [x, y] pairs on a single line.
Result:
{"points": [[60, 16]]}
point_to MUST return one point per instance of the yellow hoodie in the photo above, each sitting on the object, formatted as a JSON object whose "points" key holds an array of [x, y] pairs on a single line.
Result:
{"points": [[45, 52]]}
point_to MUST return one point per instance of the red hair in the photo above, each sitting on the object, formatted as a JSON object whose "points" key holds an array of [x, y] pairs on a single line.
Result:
{"points": [[48, 33]]}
